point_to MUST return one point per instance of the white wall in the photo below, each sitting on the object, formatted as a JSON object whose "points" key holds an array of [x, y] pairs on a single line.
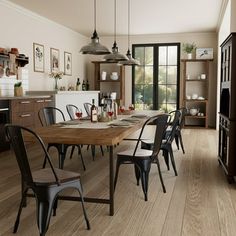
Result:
{"points": [[21, 28], [201, 40]]}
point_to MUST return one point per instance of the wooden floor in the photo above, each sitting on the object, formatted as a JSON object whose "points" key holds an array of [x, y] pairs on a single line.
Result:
{"points": [[198, 202]]}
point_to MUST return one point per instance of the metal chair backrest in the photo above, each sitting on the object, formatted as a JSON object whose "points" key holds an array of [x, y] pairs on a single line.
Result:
{"points": [[87, 107], [160, 121], [183, 111], [14, 134], [174, 125], [71, 111], [47, 115]]}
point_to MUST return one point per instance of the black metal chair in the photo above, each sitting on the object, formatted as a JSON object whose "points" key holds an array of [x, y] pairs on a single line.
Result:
{"points": [[178, 135], [142, 159], [168, 138], [87, 107], [47, 117], [45, 183]]}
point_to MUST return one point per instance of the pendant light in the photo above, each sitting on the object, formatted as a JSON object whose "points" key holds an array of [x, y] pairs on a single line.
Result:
{"points": [[131, 61], [94, 48], [115, 56]]}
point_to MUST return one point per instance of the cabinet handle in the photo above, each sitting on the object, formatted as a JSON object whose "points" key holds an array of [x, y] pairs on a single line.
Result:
{"points": [[25, 115], [39, 101], [25, 102], [48, 100]]}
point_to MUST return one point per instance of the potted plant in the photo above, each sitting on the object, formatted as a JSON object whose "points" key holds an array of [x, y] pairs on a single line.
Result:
{"points": [[18, 90], [189, 48]]}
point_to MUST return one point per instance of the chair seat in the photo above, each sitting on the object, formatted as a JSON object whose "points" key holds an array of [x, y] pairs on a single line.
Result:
{"points": [[140, 153], [45, 177]]}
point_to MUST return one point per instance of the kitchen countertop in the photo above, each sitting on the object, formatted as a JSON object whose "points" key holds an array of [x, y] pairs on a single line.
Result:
{"points": [[24, 97]]}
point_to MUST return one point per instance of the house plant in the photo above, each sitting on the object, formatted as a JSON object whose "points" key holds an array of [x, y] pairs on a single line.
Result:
{"points": [[18, 90], [56, 75], [189, 48]]}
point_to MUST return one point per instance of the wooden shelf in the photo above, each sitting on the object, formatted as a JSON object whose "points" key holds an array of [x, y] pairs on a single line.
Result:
{"points": [[195, 100], [109, 81], [196, 80], [195, 117], [196, 60]]}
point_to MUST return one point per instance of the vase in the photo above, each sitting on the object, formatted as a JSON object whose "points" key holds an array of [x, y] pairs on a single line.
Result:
{"points": [[55, 84], [189, 56]]}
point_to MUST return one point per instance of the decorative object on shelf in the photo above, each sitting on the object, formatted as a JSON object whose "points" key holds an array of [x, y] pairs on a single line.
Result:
{"points": [[115, 55], [193, 111], [114, 76], [67, 63], [78, 85], [189, 48], [56, 75], [54, 59], [18, 90], [204, 53], [95, 48], [38, 51], [131, 61], [103, 75]]}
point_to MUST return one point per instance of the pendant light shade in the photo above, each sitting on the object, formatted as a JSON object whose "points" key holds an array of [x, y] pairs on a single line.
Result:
{"points": [[95, 48], [115, 56], [131, 61]]}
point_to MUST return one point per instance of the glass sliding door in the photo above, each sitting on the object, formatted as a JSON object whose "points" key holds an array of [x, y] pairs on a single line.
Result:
{"points": [[156, 79]]}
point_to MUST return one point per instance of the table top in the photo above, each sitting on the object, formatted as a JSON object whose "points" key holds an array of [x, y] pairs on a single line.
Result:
{"points": [[95, 136]]}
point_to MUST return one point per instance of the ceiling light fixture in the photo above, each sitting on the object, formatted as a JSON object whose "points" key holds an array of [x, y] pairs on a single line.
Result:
{"points": [[115, 56], [131, 61], [95, 48]]}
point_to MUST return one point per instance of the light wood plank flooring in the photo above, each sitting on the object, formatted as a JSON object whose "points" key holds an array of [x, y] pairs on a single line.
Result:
{"points": [[198, 202]]}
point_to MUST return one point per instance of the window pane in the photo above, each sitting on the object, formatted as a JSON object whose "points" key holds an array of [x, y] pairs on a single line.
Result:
{"points": [[171, 93], [148, 75], [139, 94], [162, 55], [139, 74], [148, 94], [139, 54], [172, 55], [162, 75], [161, 94], [149, 55], [172, 75]]}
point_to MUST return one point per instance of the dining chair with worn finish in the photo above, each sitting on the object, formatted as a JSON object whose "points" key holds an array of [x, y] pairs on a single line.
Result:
{"points": [[47, 117], [45, 183], [141, 158], [168, 138], [87, 107]]}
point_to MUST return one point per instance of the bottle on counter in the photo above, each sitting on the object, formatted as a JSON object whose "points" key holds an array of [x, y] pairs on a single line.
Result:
{"points": [[94, 114], [87, 85], [78, 85], [83, 86]]}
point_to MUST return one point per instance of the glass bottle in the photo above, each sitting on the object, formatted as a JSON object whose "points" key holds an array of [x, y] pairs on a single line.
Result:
{"points": [[83, 86], [87, 85], [78, 85], [94, 114]]}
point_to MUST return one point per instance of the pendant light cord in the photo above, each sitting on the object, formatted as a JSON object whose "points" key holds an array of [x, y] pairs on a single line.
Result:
{"points": [[95, 15], [115, 22], [128, 24]]}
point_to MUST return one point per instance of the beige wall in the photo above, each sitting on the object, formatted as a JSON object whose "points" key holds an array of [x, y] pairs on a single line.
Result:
{"points": [[201, 40], [21, 28]]}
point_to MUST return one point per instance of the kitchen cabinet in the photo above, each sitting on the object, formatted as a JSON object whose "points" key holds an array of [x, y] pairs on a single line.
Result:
{"points": [[24, 111], [196, 90], [227, 114], [108, 85]]}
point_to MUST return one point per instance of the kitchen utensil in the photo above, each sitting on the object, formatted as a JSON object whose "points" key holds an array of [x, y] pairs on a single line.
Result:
{"points": [[1, 71], [7, 70]]}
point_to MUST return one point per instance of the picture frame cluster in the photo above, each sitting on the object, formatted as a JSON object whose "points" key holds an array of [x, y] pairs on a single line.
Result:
{"points": [[39, 59]]}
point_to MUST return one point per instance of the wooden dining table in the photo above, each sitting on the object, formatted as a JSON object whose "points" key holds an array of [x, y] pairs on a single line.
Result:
{"points": [[109, 137]]}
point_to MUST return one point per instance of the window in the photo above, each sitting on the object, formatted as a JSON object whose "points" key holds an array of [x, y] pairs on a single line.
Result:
{"points": [[156, 79]]}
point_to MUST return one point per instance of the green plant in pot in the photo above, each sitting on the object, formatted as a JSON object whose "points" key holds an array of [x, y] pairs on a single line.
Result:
{"points": [[189, 49], [18, 90]]}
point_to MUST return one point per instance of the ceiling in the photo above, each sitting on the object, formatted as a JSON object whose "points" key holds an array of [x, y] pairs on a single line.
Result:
{"points": [[147, 16]]}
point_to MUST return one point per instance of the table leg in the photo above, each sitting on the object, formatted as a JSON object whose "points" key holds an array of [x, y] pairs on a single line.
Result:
{"points": [[62, 148], [111, 198]]}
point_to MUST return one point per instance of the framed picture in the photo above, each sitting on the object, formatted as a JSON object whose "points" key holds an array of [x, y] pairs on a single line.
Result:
{"points": [[67, 63], [54, 59], [38, 51], [204, 53]]}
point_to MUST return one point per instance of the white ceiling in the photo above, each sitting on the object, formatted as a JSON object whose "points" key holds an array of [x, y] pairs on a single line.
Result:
{"points": [[147, 16]]}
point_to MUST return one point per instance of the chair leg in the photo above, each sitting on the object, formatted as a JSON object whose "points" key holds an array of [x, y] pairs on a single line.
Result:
{"points": [[160, 175], [93, 151], [81, 156], [166, 158], [144, 181], [55, 207], [172, 160], [181, 143], [177, 141], [102, 150], [118, 163], [19, 211], [72, 151], [79, 188], [137, 173]]}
